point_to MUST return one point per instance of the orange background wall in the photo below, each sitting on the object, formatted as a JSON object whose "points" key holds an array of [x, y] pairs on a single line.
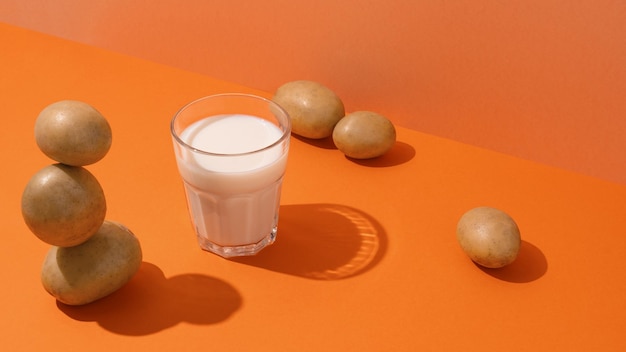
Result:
{"points": [[544, 80]]}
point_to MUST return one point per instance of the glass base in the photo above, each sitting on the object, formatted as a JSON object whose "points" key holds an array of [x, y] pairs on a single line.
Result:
{"points": [[237, 251]]}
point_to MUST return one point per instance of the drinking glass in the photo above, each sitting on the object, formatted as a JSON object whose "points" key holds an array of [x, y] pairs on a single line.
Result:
{"points": [[231, 151]]}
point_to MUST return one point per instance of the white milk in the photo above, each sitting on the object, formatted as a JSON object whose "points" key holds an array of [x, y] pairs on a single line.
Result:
{"points": [[233, 199]]}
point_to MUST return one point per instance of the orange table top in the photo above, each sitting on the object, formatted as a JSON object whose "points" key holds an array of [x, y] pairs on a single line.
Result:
{"points": [[366, 256]]}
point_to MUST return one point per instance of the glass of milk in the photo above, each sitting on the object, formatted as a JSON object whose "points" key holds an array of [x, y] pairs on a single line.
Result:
{"points": [[231, 151]]}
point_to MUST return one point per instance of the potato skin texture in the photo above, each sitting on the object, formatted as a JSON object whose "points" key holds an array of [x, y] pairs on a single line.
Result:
{"points": [[489, 236], [314, 108], [63, 205], [73, 133], [364, 135], [83, 274]]}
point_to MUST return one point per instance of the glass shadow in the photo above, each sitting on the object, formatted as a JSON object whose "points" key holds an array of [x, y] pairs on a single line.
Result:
{"points": [[322, 242]]}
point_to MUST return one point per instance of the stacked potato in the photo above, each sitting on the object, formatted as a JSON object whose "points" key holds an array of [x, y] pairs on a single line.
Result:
{"points": [[64, 205]]}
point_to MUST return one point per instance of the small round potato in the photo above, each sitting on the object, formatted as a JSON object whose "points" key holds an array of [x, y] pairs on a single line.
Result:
{"points": [[63, 205], [364, 135], [314, 109], [73, 133], [489, 237], [95, 269]]}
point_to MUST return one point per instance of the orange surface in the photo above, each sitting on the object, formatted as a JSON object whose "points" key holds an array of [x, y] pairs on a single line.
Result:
{"points": [[540, 79], [366, 256]]}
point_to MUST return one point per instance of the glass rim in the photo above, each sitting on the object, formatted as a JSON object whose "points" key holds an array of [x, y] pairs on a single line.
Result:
{"points": [[285, 133]]}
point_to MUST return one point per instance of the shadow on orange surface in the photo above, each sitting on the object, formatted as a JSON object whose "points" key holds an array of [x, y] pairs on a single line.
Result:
{"points": [[530, 265], [324, 143], [150, 302], [322, 242], [400, 153]]}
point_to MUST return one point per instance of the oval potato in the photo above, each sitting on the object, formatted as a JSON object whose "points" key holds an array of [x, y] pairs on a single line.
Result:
{"points": [[85, 273], [489, 236], [73, 133], [63, 205], [364, 135], [314, 108]]}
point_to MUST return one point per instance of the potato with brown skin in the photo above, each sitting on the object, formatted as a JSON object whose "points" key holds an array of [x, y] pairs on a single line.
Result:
{"points": [[364, 135], [95, 269], [73, 133], [314, 108], [489, 236], [63, 205]]}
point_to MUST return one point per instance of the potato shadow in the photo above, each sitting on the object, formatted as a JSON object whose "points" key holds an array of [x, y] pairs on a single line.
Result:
{"points": [[400, 153], [530, 265], [322, 242], [324, 143], [150, 303]]}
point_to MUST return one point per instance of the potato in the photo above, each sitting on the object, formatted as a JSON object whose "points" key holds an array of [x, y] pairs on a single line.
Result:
{"points": [[63, 205], [489, 236], [364, 135], [95, 269], [73, 133], [314, 109]]}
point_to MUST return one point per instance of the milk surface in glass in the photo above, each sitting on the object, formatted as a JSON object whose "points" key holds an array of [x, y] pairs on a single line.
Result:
{"points": [[233, 199]]}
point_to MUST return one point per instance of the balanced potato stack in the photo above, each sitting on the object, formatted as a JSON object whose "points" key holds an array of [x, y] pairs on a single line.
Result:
{"points": [[64, 205]]}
